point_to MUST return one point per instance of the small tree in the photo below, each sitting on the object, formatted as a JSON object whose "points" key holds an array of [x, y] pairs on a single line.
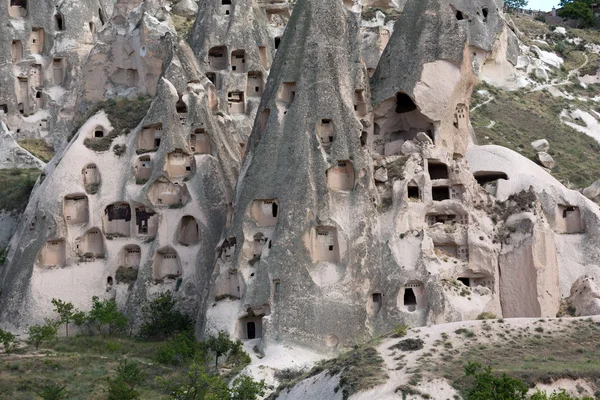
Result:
{"points": [[65, 311], [581, 10], [122, 386], [9, 341], [42, 333], [489, 386], [180, 350], [197, 385], [514, 4], [81, 318], [106, 312], [162, 318], [246, 388], [53, 392], [219, 345]]}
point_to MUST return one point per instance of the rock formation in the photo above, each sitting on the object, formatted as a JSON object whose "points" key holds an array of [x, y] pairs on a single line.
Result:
{"points": [[585, 296], [152, 200], [304, 177]]}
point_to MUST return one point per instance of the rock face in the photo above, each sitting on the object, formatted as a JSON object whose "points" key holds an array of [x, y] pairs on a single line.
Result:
{"points": [[45, 44], [585, 296], [592, 192], [153, 199], [277, 190], [349, 219], [528, 269]]}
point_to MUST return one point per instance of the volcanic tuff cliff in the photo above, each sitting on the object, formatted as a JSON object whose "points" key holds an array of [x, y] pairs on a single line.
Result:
{"points": [[302, 177]]}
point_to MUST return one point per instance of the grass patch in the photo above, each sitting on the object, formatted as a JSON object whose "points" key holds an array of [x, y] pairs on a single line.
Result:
{"points": [[123, 114], [571, 352], [183, 25], [535, 115], [82, 364], [38, 148], [15, 187]]}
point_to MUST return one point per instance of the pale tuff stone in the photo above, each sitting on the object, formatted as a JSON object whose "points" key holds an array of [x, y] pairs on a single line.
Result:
{"points": [[546, 160], [541, 145]]}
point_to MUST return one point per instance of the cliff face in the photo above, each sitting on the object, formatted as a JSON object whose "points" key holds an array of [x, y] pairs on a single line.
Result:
{"points": [[282, 194], [353, 213], [45, 44], [147, 199]]}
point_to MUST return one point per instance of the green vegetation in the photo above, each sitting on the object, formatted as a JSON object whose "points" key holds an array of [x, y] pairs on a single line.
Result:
{"points": [[485, 385], [39, 148], [183, 25], [162, 318], [106, 313], [391, 14], [580, 10], [124, 368], [521, 117], [8, 340], [122, 386], [123, 114], [486, 315], [42, 333], [15, 187], [562, 349], [65, 311], [53, 392], [126, 275], [512, 4], [360, 369]]}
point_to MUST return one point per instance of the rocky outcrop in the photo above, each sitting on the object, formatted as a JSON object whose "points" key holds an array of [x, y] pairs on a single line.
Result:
{"points": [[528, 269], [585, 296], [233, 46], [592, 192], [153, 199], [358, 206], [348, 220], [46, 43], [434, 51]]}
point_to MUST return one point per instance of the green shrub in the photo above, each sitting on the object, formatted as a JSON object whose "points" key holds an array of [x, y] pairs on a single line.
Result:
{"points": [[161, 317], [53, 392], [9, 341], [466, 332], [106, 312], [486, 315], [237, 357], [246, 388], [42, 333], [39, 148], [182, 349], [126, 275], [197, 384], [485, 385], [408, 345], [15, 187], [219, 345], [400, 331], [123, 114], [122, 386]]}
